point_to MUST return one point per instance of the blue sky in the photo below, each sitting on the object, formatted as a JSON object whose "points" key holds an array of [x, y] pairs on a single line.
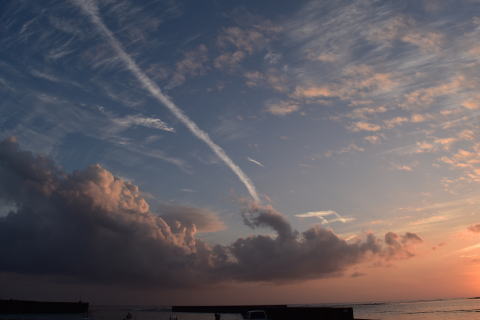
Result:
{"points": [[367, 109]]}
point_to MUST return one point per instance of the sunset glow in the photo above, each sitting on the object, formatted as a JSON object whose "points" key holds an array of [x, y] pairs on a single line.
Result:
{"points": [[223, 152]]}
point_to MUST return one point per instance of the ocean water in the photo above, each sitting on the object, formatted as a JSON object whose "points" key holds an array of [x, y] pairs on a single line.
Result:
{"points": [[449, 309]]}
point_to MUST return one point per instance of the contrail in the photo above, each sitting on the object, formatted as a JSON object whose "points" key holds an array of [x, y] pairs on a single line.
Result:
{"points": [[90, 8], [258, 163]]}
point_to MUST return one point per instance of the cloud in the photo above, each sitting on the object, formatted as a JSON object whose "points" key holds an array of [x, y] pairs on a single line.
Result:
{"points": [[397, 246], [354, 83], [471, 105], [474, 228], [403, 29], [313, 92], [201, 219], [392, 123], [424, 97], [373, 139], [467, 160], [253, 78], [403, 167], [317, 252], [428, 220], [229, 59], [417, 118], [237, 43], [93, 227], [192, 64], [470, 248], [428, 41], [272, 57], [351, 147], [363, 113], [272, 78], [91, 10], [282, 108], [258, 163], [323, 214], [323, 57], [357, 274], [247, 40], [139, 120], [364, 126]]}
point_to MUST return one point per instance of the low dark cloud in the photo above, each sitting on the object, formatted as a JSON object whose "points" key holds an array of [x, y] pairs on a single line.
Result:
{"points": [[357, 274], [93, 227], [475, 228]]}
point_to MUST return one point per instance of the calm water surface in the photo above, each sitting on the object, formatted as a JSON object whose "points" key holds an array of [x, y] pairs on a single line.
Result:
{"points": [[468, 309], [452, 309]]}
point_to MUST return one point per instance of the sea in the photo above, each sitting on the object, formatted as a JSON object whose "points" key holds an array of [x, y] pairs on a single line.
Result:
{"points": [[441, 309]]}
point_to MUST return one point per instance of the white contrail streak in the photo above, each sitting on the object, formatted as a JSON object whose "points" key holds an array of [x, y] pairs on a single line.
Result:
{"points": [[90, 8], [258, 163]]}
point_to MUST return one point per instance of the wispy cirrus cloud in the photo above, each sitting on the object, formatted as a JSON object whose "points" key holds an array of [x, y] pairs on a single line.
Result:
{"points": [[323, 216], [349, 148], [139, 120], [430, 220]]}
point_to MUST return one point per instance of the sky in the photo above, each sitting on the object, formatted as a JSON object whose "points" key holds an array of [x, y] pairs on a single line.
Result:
{"points": [[206, 152]]}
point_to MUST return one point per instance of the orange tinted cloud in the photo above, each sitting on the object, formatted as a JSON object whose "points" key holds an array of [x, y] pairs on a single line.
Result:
{"points": [[313, 92], [364, 126], [475, 228]]}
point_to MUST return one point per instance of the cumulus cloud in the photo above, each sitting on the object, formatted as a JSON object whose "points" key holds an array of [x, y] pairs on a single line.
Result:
{"points": [[397, 245], [97, 228], [89, 225], [202, 220]]}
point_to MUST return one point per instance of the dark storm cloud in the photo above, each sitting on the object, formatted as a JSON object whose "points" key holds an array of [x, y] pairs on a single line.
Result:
{"points": [[89, 225], [94, 227], [316, 252]]}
